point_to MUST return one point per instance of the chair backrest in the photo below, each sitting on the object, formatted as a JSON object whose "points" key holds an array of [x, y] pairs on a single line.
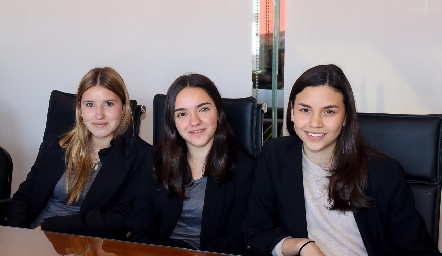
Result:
{"points": [[61, 111], [5, 174], [414, 141], [243, 114]]}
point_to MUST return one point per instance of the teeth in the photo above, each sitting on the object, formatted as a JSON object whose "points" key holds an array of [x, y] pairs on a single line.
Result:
{"points": [[315, 134]]}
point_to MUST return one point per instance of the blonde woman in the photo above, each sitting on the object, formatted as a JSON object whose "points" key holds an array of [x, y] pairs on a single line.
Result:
{"points": [[83, 179]]}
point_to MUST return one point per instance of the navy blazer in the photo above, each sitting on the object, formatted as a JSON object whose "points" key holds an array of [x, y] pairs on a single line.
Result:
{"points": [[277, 206], [106, 205], [156, 212]]}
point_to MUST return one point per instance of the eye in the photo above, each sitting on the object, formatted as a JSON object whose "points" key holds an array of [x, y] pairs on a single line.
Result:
{"points": [[180, 114], [329, 111], [305, 110], [89, 104], [108, 103], [204, 109]]}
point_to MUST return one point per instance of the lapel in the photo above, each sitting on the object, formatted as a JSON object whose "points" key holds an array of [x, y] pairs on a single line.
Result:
{"points": [[51, 168], [112, 174], [214, 203], [171, 211], [293, 190]]}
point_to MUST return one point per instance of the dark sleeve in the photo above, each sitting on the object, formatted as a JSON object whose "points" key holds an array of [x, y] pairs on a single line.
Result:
{"points": [[231, 240], [109, 222], [18, 214], [143, 226], [405, 225], [260, 223]]}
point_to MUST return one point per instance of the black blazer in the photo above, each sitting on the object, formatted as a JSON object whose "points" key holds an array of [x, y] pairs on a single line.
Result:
{"points": [[156, 213], [277, 207], [106, 205]]}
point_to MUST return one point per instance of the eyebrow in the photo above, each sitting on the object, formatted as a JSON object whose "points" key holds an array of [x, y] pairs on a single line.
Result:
{"points": [[308, 106], [197, 106], [93, 100]]}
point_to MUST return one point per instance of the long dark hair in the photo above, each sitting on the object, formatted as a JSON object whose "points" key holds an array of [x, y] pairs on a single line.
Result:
{"points": [[349, 174], [170, 161]]}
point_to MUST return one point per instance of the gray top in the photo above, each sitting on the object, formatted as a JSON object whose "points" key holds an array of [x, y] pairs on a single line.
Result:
{"points": [[56, 205], [188, 227]]}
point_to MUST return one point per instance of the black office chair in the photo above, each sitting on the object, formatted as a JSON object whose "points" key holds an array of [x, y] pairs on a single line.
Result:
{"points": [[6, 166], [61, 111], [244, 116], [414, 141]]}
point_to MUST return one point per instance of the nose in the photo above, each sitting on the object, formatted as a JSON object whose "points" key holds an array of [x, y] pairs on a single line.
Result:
{"points": [[195, 119], [316, 120], [99, 114]]}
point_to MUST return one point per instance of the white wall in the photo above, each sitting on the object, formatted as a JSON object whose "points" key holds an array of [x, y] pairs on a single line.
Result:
{"points": [[51, 44], [391, 51]]}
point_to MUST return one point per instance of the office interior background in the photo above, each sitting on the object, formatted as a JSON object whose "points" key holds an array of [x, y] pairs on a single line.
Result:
{"points": [[391, 52]]}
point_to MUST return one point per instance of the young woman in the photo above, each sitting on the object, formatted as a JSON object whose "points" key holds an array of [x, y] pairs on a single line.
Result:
{"points": [[323, 192], [83, 180], [198, 193]]}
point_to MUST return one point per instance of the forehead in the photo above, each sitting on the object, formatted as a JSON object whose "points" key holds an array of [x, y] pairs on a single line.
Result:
{"points": [[190, 97], [319, 94], [99, 92]]}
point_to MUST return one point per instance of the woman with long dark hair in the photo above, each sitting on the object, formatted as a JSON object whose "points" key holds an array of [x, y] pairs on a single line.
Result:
{"points": [[198, 193], [321, 191]]}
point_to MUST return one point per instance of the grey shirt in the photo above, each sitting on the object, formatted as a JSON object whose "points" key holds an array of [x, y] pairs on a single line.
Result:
{"points": [[56, 205], [188, 227]]}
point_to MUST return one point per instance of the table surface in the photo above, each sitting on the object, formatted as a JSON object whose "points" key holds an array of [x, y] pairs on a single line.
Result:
{"points": [[23, 242]]}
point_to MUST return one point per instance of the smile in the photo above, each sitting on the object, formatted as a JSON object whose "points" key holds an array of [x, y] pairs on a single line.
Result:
{"points": [[316, 134], [197, 131]]}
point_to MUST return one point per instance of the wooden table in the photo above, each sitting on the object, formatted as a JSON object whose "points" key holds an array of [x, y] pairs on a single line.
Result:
{"points": [[23, 242]]}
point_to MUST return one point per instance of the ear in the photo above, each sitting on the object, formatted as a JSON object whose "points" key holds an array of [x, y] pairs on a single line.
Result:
{"points": [[292, 111]]}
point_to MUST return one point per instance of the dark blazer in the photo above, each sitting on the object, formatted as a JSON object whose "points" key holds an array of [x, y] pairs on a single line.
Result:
{"points": [[106, 205], [156, 213], [277, 207]]}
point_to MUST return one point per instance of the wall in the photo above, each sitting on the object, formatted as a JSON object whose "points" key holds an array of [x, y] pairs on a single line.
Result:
{"points": [[51, 44], [391, 51]]}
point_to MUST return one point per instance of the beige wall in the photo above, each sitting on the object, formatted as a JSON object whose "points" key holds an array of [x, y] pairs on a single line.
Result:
{"points": [[51, 44]]}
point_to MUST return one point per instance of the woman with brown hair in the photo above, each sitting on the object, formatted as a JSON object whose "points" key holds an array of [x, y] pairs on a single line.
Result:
{"points": [[197, 194], [321, 191], [84, 178]]}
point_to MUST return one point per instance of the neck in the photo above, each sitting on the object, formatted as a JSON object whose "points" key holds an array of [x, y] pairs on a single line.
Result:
{"points": [[197, 161], [323, 159]]}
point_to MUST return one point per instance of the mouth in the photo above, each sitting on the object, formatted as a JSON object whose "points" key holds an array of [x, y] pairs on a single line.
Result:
{"points": [[197, 131], [100, 124], [315, 135]]}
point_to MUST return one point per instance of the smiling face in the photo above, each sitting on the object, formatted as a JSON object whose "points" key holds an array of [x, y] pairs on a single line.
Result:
{"points": [[318, 115], [101, 110], [196, 117]]}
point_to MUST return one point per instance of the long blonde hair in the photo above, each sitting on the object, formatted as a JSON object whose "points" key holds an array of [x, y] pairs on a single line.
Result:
{"points": [[77, 141]]}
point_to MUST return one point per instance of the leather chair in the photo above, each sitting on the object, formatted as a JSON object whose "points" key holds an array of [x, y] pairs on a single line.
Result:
{"points": [[243, 114], [414, 141], [61, 110], [6, 166]]}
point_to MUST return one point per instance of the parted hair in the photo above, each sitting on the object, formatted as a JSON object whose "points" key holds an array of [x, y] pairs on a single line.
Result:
{"points": [[349, 174], [77, 141], [170, 162]]}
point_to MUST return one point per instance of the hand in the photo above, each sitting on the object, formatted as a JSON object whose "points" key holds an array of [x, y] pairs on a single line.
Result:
{"points": [[37, 228], [291, 246]]}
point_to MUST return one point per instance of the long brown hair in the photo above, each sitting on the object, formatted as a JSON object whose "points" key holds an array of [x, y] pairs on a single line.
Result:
{"points": [[349, 173], [170, 161], [77, 141]]}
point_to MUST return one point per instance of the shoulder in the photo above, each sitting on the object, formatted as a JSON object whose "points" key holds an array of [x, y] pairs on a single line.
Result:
{"points": [[383, 170], [278, 148], [142, 144]]}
